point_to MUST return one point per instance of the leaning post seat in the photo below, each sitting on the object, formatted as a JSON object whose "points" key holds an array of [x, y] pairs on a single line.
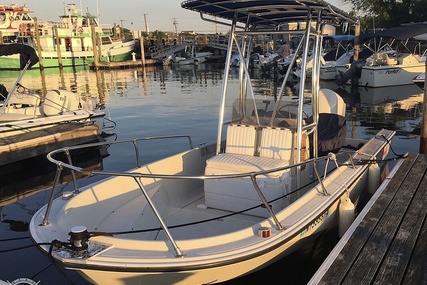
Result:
{"points": [[241, 139], [250, 149]]}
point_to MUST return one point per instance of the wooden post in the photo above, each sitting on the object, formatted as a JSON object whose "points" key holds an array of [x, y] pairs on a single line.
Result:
{"points": [[58, 47], [94, 48], [356, 43], [99, 45], [1, 38], [423, 137], [141, 43], [39, 49]]}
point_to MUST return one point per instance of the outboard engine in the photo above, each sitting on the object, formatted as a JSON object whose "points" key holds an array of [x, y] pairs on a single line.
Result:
{"points": [[60, 101], [332, 126], [352, 73]]}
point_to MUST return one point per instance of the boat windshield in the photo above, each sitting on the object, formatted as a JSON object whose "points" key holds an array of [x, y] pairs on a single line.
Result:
{"points": [[261, 112]]}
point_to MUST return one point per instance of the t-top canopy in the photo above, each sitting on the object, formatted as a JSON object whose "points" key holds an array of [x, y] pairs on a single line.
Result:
{"points": [[268, 13], [26, 53], [399, 33]]}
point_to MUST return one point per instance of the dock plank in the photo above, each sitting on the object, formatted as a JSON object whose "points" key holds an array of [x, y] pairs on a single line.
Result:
{"points": [[416, 272], [399, 255], [388, 245], [370, 259]]}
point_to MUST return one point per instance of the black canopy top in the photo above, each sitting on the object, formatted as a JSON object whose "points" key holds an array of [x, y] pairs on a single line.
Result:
{"points": [[268, 13], [340, 38], [399, 33], [26, 53]]}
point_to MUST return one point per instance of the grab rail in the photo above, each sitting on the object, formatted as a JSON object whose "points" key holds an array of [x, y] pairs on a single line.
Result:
{"points": [[137, 177]]}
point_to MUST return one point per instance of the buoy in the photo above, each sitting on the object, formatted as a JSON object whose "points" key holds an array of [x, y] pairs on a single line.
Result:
{"points": [[345, 215], [374, 177]]}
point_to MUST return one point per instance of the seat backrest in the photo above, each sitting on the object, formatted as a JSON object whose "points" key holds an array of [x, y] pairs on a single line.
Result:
{"points": [[276, 143], [241, 139]]}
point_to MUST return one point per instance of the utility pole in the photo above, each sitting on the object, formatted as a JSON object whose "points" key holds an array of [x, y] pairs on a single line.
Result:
{"points": [[147, 30], [121, 29], [175, 23]]}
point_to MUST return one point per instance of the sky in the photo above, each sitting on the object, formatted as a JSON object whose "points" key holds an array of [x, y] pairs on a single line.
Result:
{"points": [[160, 14]]}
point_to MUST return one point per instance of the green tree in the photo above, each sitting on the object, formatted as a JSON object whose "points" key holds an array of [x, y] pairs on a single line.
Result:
{"points": [[388, 13], [159, 35]]}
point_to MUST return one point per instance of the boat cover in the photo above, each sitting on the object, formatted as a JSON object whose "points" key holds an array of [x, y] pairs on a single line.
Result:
{"points": [[400, 33], [26, 52]]}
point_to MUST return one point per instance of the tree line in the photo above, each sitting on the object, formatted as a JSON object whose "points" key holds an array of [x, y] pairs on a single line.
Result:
{"points": [[387, 13]]}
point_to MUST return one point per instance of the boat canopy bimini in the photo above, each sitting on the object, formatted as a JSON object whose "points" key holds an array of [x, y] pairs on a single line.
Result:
{"points": [[222, 210]]}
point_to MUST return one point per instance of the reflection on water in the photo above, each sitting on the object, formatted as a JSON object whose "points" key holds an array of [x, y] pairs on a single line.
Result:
{"points": [[37, 174], [169, 101], [398, 107], [106, 83]]}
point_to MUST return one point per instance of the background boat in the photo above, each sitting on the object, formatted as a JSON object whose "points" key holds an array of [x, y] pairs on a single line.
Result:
{"points": [[73, 41]]}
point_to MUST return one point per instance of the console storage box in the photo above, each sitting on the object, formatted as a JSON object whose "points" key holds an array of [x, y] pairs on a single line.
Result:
{"points": [[237, 194]]}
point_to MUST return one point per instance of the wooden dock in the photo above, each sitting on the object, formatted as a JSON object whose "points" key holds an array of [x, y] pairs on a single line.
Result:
{"points": [[387, 244], [39, 142], [127, 64]]}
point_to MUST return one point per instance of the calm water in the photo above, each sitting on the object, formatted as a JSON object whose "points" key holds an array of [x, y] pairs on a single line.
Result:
{"points": [[165, 101]]}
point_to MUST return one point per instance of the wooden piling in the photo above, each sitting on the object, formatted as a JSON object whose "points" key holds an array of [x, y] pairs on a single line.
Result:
{"points": [[94, 48], [141, 43], [356, 43], [423, 138], [58, 47], [39, 50]]}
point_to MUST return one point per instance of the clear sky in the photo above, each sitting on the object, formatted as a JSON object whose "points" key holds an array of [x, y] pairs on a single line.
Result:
{"points": [[160, 14]]}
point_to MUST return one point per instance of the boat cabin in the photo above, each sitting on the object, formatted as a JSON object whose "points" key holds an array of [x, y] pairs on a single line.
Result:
{"points": [[15, 21]]}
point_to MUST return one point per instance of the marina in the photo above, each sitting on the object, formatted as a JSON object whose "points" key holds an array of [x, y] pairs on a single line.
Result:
{"points": [[130, 92], [221, 210], [214, 173]]}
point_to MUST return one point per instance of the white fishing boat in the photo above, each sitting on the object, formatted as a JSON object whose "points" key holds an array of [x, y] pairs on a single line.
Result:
{"points": [[221, 210], [26, 116], [395, 59], [339, 56], [201, 57], [181, 60]]}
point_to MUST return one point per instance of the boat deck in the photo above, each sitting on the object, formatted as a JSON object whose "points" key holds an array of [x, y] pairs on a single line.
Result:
{"points": [[388, 241]]}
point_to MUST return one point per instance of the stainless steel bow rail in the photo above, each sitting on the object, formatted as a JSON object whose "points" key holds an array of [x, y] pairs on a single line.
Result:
{"points": [[68, 164]]}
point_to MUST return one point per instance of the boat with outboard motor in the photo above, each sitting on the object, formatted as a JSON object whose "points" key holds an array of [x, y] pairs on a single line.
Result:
{"points": [[277, 176], [337, 57], [396, 57], [27, 115]]}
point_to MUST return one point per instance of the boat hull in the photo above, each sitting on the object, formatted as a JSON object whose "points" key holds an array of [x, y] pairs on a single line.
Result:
{"points": [[328, 72], [382, 76], [206, 259], [111, 53]]}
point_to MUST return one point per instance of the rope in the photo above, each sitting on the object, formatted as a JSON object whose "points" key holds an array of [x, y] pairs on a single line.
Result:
{"points": [[56, 243]]}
